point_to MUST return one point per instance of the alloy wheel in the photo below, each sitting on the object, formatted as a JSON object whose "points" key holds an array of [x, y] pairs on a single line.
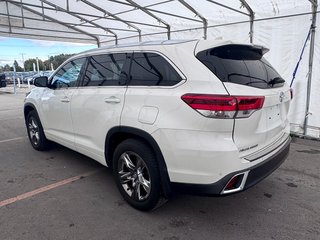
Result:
{"points": [[34, 131], [134, 176]]}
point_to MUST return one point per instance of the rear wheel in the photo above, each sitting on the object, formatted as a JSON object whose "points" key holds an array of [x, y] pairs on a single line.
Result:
{"points": [[35, 132], [136, 174]]}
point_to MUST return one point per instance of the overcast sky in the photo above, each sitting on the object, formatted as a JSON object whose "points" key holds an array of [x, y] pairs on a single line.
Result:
{"points": [[12, 49]]}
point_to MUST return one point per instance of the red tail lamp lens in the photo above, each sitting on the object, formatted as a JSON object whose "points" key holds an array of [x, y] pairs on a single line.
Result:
{"points": [[223, 106]]}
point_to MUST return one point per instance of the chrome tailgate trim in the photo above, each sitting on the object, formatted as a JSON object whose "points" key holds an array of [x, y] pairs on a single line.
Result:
{"points": [[268, 149]]}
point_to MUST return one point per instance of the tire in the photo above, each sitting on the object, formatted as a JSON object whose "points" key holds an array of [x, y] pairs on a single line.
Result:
{"points": [[137, 175], [35, 132]]}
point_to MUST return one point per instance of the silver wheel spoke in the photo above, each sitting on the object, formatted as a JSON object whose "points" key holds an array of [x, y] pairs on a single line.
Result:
{"points": [[31, 134], [37, 135], [145, 184], [125, 177], [136, 192], [128, 161], [35, 126], [33, 131]]}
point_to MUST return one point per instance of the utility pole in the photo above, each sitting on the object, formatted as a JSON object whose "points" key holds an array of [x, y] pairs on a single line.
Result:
{"points": [[22, 54]]}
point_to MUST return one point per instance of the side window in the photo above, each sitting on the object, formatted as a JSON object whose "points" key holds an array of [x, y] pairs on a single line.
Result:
{"points": [[68, 75], [150, 69], [106, 70]]}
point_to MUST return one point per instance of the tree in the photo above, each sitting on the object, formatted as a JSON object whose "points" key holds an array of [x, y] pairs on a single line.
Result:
{"points": [[18, 68], [57, 60], [44, 65], [7, 68], [29, 64]]}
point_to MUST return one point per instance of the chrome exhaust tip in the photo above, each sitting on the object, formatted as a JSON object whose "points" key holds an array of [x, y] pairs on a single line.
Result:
{"points": [[236, 183]]}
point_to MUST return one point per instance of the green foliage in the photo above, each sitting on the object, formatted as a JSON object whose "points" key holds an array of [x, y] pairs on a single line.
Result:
{"points": [[18, 68], [7, 68], [28, 64], [57, 60], [43, 65]]}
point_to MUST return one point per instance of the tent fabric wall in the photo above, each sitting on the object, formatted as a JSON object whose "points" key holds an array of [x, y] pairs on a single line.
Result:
{"points": [[280, 25], [285, 39]]}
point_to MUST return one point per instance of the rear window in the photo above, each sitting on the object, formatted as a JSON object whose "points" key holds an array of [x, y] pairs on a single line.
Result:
{"points": [[240, 64], [151, 69]]}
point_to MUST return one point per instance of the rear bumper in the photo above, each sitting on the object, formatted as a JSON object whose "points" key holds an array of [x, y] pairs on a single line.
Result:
{"points": [[256, 173]]}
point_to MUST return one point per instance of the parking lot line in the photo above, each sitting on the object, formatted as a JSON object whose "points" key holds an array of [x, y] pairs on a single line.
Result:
{"points": [[12, 139], [46, 188]]}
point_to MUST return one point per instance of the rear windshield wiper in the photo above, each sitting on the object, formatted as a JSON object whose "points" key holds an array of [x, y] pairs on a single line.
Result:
{"points": [[276, 80], [247, 76]]}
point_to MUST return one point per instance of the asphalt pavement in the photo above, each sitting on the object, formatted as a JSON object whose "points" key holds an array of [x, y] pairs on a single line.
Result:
{"points": [[61, 194]]}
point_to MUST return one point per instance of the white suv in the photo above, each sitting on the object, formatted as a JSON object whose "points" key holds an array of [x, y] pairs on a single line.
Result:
{"points": [[204, 116]]}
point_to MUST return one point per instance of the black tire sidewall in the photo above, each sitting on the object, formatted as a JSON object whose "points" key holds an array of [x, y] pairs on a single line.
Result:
{"points": [[148, 156]]}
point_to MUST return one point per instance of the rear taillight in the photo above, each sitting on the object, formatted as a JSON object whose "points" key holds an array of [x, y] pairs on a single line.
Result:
{"points": [[291, 93], [223, 106]]}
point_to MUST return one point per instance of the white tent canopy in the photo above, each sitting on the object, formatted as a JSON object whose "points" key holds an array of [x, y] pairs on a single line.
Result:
{"points": [[281, 25]]}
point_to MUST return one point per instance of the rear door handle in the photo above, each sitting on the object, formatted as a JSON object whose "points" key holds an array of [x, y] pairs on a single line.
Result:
{"points": [[65, 99], [112, 99]]}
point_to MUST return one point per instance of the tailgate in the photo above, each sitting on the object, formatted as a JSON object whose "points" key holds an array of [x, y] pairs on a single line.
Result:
{"points": [[266, 128], [247, 76]]}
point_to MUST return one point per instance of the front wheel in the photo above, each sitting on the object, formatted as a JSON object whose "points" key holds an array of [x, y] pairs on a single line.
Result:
{"points": [[136, 174], [35, 132]]}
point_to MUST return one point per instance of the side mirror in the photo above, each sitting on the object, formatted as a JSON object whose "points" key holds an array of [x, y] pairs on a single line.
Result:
{"points": [[41, 81]]}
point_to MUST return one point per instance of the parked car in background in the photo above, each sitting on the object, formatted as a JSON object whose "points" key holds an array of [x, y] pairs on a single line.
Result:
{"points": [[18, 76], [30, 79], [204, 116], [3, 82]]}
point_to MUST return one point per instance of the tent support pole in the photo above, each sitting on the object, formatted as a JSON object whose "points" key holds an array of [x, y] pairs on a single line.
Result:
{"points": [[204, 21], [311, 54], [9, 21], [251, 13], [113, 16], [57, 21], [136, 5], [82, 19], [23, 25]]}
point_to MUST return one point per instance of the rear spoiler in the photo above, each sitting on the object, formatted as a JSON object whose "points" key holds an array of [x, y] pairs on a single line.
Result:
{"points": [[207, 44], [262, 49]]}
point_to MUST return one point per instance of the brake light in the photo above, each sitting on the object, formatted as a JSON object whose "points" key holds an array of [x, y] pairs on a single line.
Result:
{"points": [[223, 106]]}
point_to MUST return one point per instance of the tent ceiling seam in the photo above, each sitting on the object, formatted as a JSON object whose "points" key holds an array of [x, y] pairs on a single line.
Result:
{"points": [[227, 7], [135, 9]]}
